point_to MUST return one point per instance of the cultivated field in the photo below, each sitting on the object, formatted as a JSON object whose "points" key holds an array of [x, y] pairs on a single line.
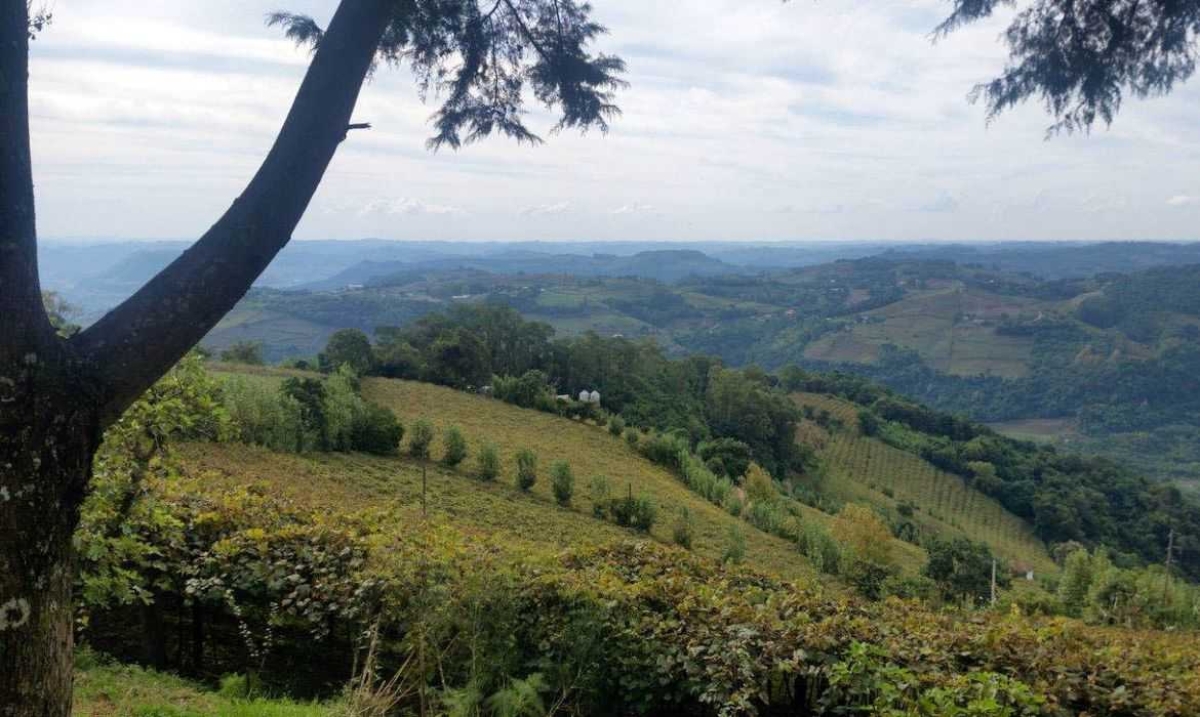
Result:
{"points": [[862, 469]]}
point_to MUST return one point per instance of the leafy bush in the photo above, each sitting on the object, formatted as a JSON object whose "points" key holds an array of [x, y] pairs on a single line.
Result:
{"points": [[562, 482], [664, 448], [863, 535], [487, 467], [683, 530], [735, 545], [455, 447], [632, 436], [616, 425], [531, 390], [701, 480], [628, 511], [820, 548], [307, 414], [526, 469], [376, 430], [420, 439], [244, 352], [599, 491], [734, 505], [759, 486]]}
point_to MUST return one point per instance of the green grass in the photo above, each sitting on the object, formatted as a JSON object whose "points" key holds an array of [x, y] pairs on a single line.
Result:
{"points": [[107, 689], [1041, 430], [867, 470], [532, 519]]}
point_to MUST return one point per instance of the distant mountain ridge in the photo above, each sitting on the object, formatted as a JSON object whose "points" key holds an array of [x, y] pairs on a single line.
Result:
{"points": [[662, 265]]}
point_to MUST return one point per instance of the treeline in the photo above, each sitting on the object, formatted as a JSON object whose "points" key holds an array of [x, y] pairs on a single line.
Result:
{"points": [[1065, 497], [477, 345]]}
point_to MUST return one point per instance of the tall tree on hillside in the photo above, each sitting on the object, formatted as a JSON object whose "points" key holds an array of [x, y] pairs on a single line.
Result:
{"points": [[58, 395], [1081, 58]]}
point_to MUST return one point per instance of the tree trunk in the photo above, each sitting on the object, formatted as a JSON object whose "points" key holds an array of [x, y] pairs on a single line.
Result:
{"points": [[56, 396], [48, 435]]}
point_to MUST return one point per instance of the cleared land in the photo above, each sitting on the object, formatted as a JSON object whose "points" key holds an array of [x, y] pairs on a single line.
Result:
{"points": [[951, 328]]}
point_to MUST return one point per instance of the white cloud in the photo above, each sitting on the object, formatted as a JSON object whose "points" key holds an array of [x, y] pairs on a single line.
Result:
{"points": [[148, 119], [635, 208], [407, 206], [542, 210]]}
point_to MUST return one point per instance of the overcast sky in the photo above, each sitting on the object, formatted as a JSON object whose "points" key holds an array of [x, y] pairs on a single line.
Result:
{"points": [[745, 120]]}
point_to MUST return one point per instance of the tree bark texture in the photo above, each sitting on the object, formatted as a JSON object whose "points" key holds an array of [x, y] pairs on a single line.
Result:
{"points": [[58, 395]]}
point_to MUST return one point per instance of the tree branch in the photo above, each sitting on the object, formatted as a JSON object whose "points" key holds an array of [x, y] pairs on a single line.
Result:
{"points": [[24, 326], [141, 339]]}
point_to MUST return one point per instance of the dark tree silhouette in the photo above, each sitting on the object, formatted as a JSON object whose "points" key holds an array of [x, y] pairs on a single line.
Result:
{"points": [[1081, 58], [57, 395]]}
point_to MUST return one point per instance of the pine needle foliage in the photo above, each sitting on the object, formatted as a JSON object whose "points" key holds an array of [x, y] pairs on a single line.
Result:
{"points": [[482, 58]]}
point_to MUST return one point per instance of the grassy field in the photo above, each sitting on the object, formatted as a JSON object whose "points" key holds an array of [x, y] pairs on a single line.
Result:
{"points": [[360, 481], [1041, 430], [105, 689], [950, 328], [862, 469]]}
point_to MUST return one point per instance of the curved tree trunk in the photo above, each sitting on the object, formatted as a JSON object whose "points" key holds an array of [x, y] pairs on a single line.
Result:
{"points": [[57, 396]]}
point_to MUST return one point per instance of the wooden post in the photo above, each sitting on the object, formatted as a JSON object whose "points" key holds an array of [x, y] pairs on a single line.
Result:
{"points": [[424, 487], [993, 582], [1167, 576]]}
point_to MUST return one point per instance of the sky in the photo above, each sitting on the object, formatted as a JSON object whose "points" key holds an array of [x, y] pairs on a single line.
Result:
{"points": [[745, 120]]}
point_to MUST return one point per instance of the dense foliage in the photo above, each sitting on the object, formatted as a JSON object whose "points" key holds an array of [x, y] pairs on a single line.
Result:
{"points": [[739, 414], [307, 414]]}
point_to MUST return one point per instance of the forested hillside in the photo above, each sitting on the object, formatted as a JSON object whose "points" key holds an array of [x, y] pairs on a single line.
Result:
{"points": [[1105, 364], [726, 413]]}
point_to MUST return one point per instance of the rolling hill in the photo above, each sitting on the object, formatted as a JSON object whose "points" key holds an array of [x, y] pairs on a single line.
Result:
{"points": [[495, 508], [865, 469]]}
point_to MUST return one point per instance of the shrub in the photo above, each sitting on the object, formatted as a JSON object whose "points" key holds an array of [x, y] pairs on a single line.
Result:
{"points": [[246, 352], [735, 545], [456, 447], [683, 530], [616, 425], [376, 430], [420, 440], [526, 469], [487, 467], [599, 490], [632, 436], [530, 390], [700, 479], [759, 486], [562, 482], [638, 513], [868, 577], [862, 532], [733, 504], [664, 449], [820, 548]]}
